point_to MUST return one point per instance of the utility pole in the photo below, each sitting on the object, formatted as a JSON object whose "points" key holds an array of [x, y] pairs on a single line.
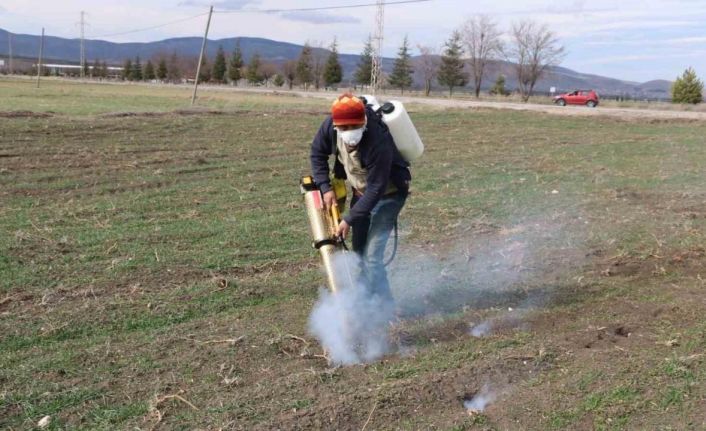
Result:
{"points": [[376, 70], [39, 62], [83, 47], [203, 49], [9, 49]]}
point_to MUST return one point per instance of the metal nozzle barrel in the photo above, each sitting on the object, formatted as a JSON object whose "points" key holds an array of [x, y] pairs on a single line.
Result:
{"points": [[323, 224]]}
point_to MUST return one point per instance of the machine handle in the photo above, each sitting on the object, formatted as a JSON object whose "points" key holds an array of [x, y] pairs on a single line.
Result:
{"points": [[335, 215]]}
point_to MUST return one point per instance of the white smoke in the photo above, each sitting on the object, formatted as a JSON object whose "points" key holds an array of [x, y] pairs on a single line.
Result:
{"points": [[512, 319], [482, 329], [497, 268], [351, 325], [481, 400]]}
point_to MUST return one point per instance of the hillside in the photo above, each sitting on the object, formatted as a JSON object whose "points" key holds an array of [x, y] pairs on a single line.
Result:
{"points": [[67, 50]]}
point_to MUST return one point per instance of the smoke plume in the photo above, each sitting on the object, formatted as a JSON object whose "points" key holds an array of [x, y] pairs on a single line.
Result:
{"points": [[497, 268], [352, 324], [489, 270], [481, 400]]}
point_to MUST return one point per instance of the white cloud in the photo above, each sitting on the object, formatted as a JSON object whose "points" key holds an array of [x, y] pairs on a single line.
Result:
{"points": [[676, 42], [624, 59], [224, 4], [697, 40], [315, 17]]}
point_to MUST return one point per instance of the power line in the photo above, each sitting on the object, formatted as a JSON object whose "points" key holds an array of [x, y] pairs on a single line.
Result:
{"points": [[312, 9], [138, 30]]}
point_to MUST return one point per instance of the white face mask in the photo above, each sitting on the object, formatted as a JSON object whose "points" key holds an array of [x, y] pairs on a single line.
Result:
{"points": [[352, 137]]}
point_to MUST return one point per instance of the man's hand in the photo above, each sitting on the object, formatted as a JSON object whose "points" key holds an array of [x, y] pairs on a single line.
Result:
{"points": [[330, 199], [342, 230]]}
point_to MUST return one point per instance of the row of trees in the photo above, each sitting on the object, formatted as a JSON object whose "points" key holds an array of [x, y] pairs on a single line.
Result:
{"points": [[314, 67], [532, 48], [136, 71]]}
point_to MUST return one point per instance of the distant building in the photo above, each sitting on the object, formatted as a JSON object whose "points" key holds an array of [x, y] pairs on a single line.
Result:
{"points": [[18, 64], [75, 70]]}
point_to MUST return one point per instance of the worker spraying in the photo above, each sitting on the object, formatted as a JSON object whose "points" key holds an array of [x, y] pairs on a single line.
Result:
{"points": [[371, 162]]}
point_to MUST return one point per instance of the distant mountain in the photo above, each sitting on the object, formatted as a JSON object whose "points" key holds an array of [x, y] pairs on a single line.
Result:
{"points": [[657, 86], [68, 50], [564, 80]]}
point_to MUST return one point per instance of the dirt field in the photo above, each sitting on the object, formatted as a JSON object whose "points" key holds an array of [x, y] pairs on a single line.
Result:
{"points": [[156, 269]]}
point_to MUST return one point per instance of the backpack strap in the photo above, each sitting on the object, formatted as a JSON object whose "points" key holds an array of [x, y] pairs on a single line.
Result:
{"points": [[335, 143]]}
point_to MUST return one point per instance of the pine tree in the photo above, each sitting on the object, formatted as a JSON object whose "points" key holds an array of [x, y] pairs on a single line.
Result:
{"points": [[401, 76], [205, 73], [136, 72], [499, 86], [333, 72], [148, 72], [363, 74], [104, 70], [253, 72], [236, 64], [278, 81], [451, 73], [304, 66], [173, 69], [688, 88], [126, 74], [162, 69], [219, 66]]}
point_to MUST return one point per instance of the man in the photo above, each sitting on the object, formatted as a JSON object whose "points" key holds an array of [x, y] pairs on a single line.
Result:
{"points": [[366, 156]]}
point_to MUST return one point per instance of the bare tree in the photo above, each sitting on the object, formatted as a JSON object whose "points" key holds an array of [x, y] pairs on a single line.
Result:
{"points": [[289, 71], [267, 71], [483, 43], [533, 49], [319, 56], [427, 66]]}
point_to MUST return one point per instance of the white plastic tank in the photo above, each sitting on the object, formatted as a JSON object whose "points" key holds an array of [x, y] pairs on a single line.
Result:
{"points": [[402, 129]]}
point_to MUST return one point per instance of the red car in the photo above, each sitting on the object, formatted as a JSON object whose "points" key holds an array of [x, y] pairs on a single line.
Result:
{"points": [[578, 97]]}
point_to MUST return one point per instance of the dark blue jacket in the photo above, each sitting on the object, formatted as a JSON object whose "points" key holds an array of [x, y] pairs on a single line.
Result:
{"points": [[378, 155]]}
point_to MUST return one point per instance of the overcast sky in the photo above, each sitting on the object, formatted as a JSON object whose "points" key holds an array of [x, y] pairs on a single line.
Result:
{"points": [[635, 40]]}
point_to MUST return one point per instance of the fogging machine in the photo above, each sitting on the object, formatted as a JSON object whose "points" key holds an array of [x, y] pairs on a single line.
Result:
{"points": [[323, 223]]}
